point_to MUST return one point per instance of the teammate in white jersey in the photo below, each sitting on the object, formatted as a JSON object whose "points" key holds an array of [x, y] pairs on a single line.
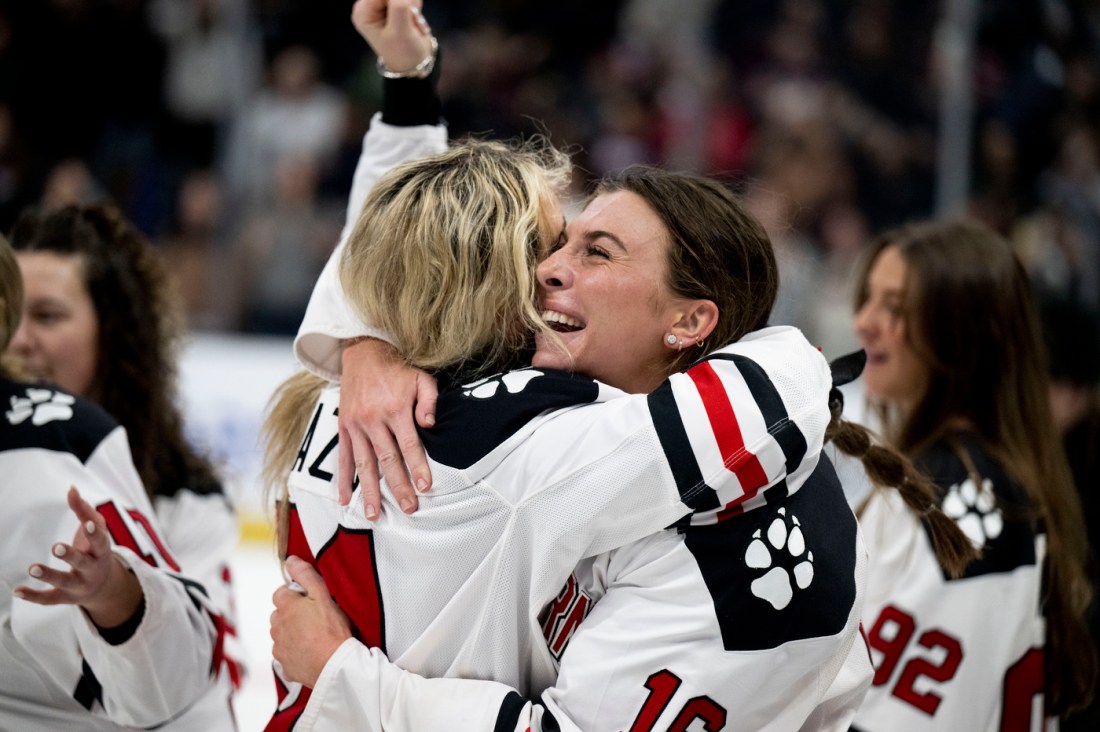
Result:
{"points": [[747, 612], [117, 639], [100, 322], [955, 359]]}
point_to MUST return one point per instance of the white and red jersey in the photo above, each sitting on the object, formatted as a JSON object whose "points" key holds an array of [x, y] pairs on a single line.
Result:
{"points": [[963, 654], [56, 670], [747, 623], [536, 472]]}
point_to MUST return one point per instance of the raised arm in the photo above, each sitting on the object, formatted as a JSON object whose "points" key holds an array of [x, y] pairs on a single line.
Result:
{"points": [[378, 423]]}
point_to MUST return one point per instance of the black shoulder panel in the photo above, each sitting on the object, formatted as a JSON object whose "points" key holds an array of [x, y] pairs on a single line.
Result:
{"points": [[782, 572], [44, 417], [994, 512], [473, 419]]}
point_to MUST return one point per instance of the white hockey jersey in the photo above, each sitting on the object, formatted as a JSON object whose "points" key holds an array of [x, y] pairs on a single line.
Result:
{"points": [[692, 434], [56, 671], [750, 623], [963, 654], [527, 486]]}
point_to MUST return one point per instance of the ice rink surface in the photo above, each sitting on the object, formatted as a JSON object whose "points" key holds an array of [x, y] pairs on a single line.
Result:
{"points": [[255, 576]]}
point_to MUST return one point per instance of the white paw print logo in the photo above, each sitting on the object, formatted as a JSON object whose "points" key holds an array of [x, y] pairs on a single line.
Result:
{"points": [[782, 551], [42, 406], [514, 382], [974, 510]]}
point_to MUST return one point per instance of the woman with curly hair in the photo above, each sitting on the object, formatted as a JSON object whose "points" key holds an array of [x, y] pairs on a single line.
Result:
{"points": [[100, 321]]}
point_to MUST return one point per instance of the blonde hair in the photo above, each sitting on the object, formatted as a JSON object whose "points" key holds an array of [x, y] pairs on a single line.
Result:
{"points": [[443, 254], [442, 258], [11, 301], [288, 413]]}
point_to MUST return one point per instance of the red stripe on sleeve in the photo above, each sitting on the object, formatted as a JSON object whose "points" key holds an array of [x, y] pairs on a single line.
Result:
{"points": [[727, 432]]}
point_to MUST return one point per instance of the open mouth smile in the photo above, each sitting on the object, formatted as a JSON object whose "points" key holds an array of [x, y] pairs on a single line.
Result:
{"points": [[560, 322]]}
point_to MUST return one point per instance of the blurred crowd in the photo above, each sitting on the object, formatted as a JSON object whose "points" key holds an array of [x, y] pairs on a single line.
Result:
{"points": [[227, 130]]}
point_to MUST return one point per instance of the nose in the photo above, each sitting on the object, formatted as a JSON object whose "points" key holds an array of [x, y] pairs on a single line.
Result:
{"points": [[21, 340], [863, 323], [555, 272]]}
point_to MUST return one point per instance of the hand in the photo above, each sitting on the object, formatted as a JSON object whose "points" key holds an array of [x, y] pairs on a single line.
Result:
{"points": [[306, 628], [395, 29], [378, 396], [97, 580]]}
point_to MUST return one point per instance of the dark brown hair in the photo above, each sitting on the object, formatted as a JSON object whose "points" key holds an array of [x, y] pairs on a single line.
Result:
{"points": [[717, 250], [139, 332]]}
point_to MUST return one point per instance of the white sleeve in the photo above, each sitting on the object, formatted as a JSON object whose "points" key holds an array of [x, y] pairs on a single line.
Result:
{"points": [[329, 318], [166, 665], [202, 532], [360, 689], [750, 418]]}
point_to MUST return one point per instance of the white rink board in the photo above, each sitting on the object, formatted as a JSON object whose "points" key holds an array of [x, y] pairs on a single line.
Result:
{"points": [[225, 382]]}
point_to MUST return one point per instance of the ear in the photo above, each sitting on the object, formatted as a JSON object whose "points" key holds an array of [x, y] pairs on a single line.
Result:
{"points": [[697, 320]]}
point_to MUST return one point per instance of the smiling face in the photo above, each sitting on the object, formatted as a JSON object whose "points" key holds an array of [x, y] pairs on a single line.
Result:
{"points": [[894, 373], [57, 337], [604, 290]]}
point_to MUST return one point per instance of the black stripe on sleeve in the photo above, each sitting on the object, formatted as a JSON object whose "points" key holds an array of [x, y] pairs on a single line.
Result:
{"points": [[121, 633], [88, 689], [785, 432], [510, 709], [694, 492]]}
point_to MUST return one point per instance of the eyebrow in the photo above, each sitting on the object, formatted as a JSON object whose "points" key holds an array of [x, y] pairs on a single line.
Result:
{"points": [[602, 234]]}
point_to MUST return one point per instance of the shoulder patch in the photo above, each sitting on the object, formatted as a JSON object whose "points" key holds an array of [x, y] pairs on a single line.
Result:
{"points": [[993, 511], [41, 416], [473, 419], [782, 572]]}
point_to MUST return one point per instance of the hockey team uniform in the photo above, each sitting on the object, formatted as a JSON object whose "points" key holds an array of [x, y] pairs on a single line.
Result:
{"points": [[549, 496], [963, 654], [200, 528], [56, 670], [526, 487]]}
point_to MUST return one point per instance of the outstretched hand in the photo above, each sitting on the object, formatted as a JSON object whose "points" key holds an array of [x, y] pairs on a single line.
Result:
{"points": [[378, 395], [96, 580], [396, 31], [307, 626]]}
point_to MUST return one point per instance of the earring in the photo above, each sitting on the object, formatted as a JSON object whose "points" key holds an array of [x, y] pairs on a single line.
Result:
{"points": [[670, 339], [679, 344], [702, 343]]}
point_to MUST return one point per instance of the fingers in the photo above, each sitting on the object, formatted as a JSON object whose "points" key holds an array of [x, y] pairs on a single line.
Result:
{"points": [[92, 534], [427, 395], [67, 586], [366, 466], [413, 456], [304, 574], [391, 461]]}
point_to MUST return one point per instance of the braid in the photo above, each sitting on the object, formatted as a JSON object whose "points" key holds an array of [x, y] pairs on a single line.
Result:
{"points": [[888, 468]]}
